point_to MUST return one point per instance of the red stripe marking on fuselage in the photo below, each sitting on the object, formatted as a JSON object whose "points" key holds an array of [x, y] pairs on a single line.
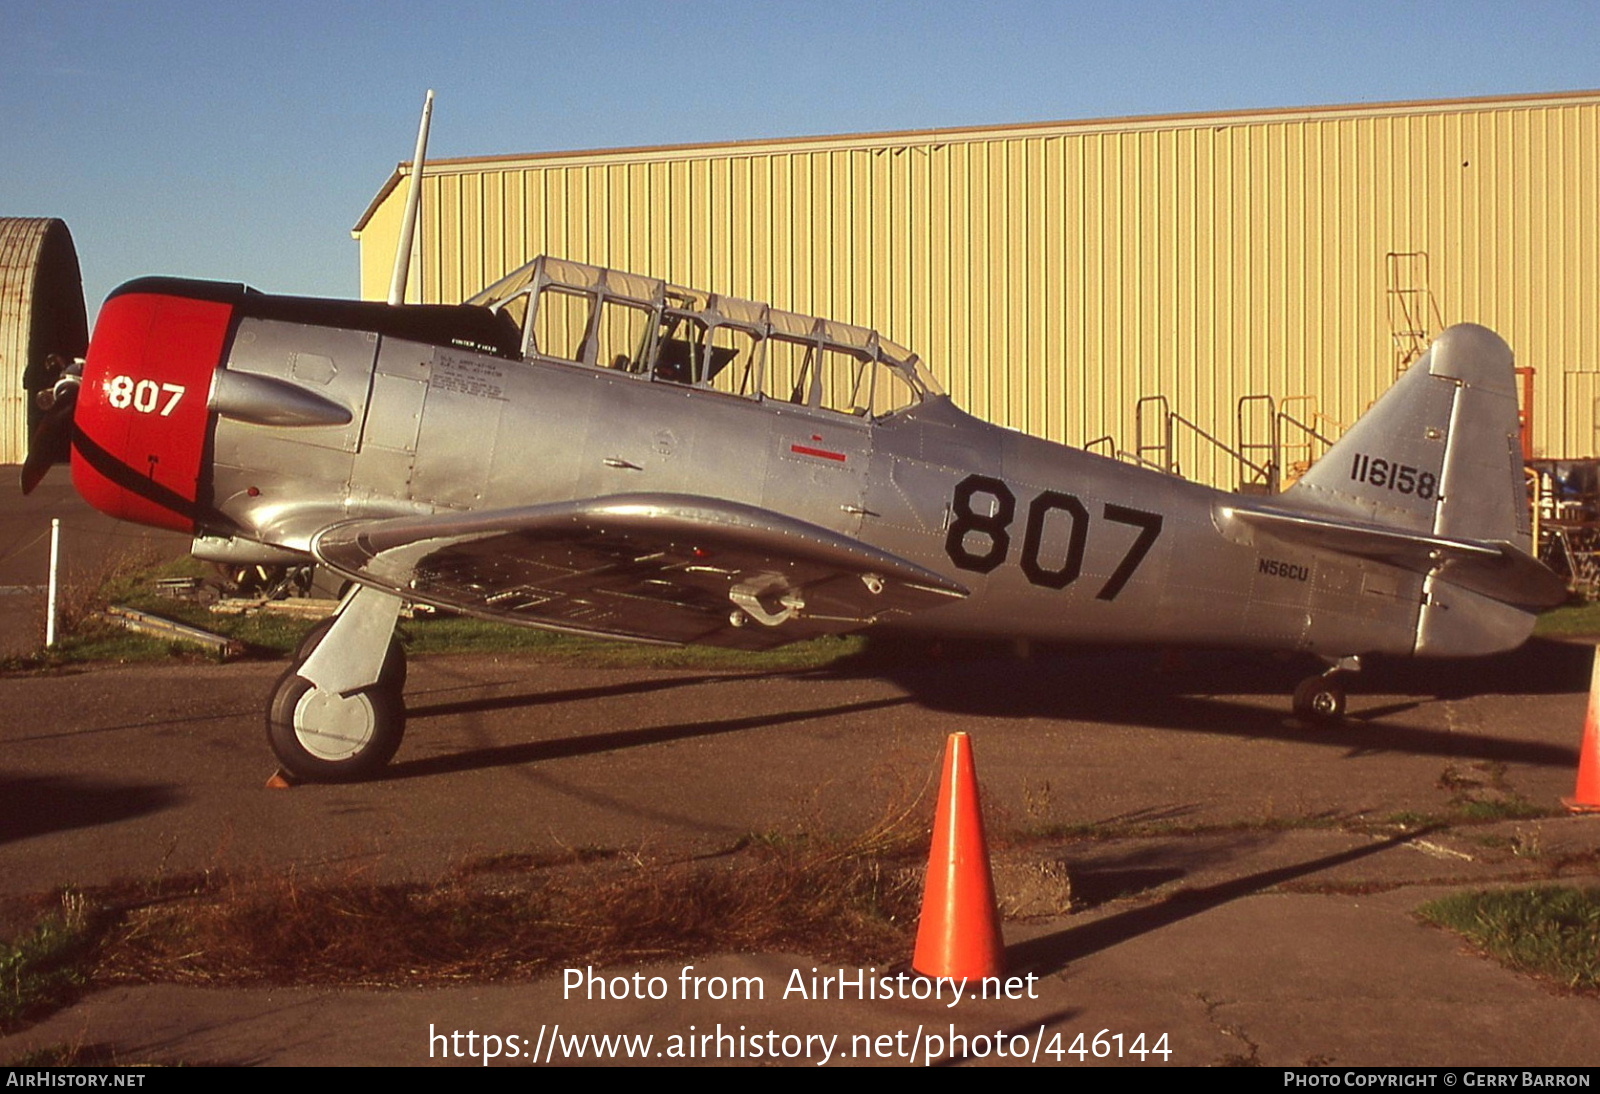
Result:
{"points": [[823, 453]]}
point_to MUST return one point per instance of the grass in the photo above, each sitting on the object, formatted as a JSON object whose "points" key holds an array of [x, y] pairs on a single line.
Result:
{"points": [[1480, 794], [1408, 820], [48, 966], [1513, 808], [504, 917], [1462, 812], [501, 919], [130, 580], [76, 1055], [462, 634], [1571, 621], [1552, 932]]}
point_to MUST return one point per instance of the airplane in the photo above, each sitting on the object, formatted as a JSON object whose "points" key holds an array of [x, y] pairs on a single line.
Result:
{"points": [[605, 453]]}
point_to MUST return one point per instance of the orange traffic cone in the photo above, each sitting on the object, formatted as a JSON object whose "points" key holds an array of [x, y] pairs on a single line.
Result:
{"points": [[959, 933], [1586, 798]]}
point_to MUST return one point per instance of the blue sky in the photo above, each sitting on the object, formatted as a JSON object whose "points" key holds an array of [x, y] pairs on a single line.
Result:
{"points": [[242, 141]]}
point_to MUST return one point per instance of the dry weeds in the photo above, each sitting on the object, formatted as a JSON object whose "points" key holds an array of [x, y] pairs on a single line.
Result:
{"points": [[512, 920]]}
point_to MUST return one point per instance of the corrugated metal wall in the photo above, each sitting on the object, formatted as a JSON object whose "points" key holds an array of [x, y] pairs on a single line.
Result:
{"points": [[1052, 275], [41, 312]]}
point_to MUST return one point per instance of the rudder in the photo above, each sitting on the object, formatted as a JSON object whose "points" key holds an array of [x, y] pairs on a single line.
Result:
{"points": [[1439, 454]]}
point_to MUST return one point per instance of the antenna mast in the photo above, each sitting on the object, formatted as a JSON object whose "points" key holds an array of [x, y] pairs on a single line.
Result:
{"points": [[408, 227]]}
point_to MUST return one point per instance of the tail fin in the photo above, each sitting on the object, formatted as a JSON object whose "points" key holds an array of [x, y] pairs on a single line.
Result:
{"points": [[1430, 480], [1439, 454]]}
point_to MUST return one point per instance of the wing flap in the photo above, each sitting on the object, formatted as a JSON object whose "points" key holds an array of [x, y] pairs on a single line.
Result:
{"points": [[647, 567]]}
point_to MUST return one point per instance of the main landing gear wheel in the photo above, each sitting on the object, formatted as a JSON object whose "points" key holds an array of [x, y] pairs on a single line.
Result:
{"points": [[320, 736], [1319, 699]]}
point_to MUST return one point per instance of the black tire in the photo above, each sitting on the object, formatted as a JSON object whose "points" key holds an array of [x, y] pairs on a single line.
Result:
{"points": [[317, 632], [1319, 699], [393, 673], [328, 738]]}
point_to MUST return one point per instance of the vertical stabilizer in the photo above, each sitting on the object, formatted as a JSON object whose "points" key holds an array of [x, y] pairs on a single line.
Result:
{"points": [[1439, 458], [1440, 454]]}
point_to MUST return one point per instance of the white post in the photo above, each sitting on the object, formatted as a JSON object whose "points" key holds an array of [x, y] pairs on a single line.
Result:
{"points": [[55, 570]]}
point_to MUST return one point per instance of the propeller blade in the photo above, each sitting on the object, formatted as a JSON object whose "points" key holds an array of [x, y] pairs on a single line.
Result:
{"points": [[51, 442]]}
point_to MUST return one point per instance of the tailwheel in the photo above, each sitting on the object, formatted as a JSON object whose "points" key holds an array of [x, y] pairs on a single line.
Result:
{"points": [[320, 736], [1319, 699]]}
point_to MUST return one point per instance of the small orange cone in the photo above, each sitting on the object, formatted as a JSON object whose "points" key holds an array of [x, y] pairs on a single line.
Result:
{"points": [[1586, 798], [959, 933]]}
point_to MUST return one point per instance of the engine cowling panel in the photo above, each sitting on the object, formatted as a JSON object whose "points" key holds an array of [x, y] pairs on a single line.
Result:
{"points": [[142, 426]]}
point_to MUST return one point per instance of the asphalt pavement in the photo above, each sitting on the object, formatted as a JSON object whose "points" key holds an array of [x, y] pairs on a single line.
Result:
{"points": [[1263, 912]]}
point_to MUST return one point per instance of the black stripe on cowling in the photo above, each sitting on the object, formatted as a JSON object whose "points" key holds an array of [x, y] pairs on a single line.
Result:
{"points": [[466, 326], [121, 474]]}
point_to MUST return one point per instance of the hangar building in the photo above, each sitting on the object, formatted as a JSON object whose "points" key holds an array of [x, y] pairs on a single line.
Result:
{"points": [[41, 313], [1168, 288]]}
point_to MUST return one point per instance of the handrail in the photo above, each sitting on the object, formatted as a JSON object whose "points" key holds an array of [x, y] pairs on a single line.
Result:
{"points": [[1139, 461], [1264, 471], [1164, 445], [1270, 445]]}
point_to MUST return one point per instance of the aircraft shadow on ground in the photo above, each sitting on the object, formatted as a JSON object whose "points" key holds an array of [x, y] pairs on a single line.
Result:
{"points": [[589, 743], [1125, 687], [1054, 952], [1101, 874], [1042, 684], [1122, 687], [417, 710], [36, 805]]}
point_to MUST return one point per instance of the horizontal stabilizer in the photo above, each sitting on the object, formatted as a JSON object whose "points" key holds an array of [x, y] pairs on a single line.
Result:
{"points": [[648, 567], [1430, 480], [1496, 570]]}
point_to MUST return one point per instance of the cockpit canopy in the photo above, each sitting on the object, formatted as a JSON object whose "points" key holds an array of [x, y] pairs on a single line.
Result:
{"points": [[587, 315]]}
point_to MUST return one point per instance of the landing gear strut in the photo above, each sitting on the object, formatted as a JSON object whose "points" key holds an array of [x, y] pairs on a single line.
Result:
{"points": [[339, 713], [1320, 699]]}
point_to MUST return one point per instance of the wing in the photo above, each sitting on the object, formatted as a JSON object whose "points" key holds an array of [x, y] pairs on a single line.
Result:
{"points": [[648, 567]]}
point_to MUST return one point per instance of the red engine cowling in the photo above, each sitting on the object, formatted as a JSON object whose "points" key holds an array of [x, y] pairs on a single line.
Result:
{"points": [[142, 427]]}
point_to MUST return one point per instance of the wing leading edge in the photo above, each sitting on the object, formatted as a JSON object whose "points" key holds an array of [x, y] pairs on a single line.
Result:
{"points": [[648, 567]]}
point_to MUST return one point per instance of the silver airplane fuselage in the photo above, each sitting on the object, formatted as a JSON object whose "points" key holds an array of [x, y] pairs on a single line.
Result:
{"points": [[1037, 531]]}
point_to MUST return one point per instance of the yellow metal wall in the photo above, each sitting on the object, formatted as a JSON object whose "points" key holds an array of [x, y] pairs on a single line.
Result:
{"points": [[1054, 274]]}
